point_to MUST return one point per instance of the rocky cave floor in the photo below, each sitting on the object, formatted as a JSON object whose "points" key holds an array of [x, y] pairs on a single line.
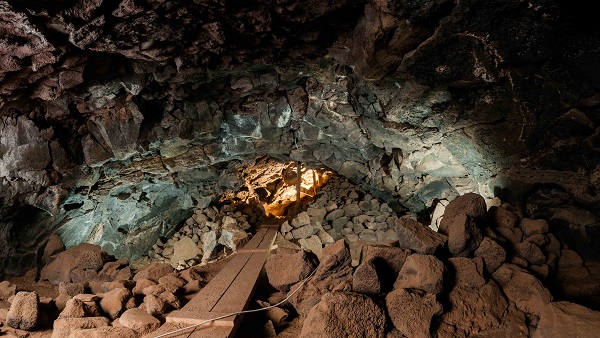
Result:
{"points": [[486, 272]]}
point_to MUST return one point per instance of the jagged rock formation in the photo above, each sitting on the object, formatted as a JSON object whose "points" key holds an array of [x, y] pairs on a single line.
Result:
{"points": [[118, 117]]}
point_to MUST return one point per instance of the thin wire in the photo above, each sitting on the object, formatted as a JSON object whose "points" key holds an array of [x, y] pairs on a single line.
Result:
{"points": [[240, 312]]}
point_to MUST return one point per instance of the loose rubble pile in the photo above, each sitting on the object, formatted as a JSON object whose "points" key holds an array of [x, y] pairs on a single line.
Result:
{"points": [[98, 296], [206, 234], [341, 210], [485, 274]]}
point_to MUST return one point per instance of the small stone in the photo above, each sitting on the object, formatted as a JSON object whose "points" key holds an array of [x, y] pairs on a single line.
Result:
{"points": [[502, 217], [352, 210], [325, 237], [368, 235], [335, 214], [531, 252], [312, 244], [286, 227], [303, 232]]}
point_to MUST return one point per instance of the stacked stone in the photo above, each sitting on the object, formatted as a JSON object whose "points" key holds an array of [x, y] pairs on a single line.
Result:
{"points": [[202, 235], [341, 210], [485, 273]]}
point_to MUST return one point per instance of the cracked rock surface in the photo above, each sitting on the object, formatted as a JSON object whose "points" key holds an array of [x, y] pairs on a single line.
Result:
{"points": [[119, 117]]}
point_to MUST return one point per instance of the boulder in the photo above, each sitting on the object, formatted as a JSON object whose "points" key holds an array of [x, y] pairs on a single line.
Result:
{"points": [[116, 301], [422, 272], [155, 305], [23, 313], [391, 258], [502, 217], [412, 311], [481, 312], [470, 204], [141, 284], [417, 237], [336, 315], [531, 252], [464, 236], [53, 246], [564, 319], [522, 288], [59, 270], [139, 321], [493, 254], [154, 271], [287, 267], [534, 226], [333, 274], [312, 244], [91, 259], [70, 289], [63, 327], [73, 309], [104, 332], [232, 237], [366, 278], [172, 283], [468, 272]]}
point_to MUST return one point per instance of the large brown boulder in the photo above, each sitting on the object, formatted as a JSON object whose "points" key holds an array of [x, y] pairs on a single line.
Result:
{"points": [[522, 288], [412, 311], [23, 313], [344, 314], [333, 274], [564, 319], [422, 272], [366, 279], [481, 312], [493, 254], [139, 321], [154, 271], [64, 263], [464, 236], [287, 267], [470, 204], [468, 272], [419, 238], [63, 327], [116, 301]]}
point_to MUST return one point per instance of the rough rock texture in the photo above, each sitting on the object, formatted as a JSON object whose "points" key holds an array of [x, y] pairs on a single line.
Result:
{"points": [[63, 327], [118, 117], [23, 313], [417, 237], [423, 272], [562, 319], [335, 316], [412, 311], [522, 288], [287, 267], [139, 321]]}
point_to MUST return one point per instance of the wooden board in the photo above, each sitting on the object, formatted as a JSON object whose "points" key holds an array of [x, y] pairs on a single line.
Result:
{"points": [[229, 291]]}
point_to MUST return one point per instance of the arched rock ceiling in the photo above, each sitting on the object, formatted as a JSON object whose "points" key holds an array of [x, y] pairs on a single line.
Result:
{"points": [[119, 116]]}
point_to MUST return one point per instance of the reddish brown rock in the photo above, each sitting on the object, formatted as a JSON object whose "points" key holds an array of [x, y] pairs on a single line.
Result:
{"points": [[531, 252], [534, 226], [464, 236], [422, 272], [468, 272], [417, 237], [23, 313], [333, 274], [105, 332], [366, 278], [481, 312], [118, 270], [60, 269], [391, 258], [287, 267], [412, 312], [139, 321], [493, 254], [502, 217], [569, 259], [522, 288], [141, 284], [470, 204], [53, 246], [172, 283], [512, 235], [154, 271], [91, 259], [63, 327], [564, 319], [115, 302], [336, 316], [155, 305]]}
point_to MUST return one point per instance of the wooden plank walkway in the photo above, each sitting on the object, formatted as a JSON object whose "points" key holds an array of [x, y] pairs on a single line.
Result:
{"points": [[229, 291]]}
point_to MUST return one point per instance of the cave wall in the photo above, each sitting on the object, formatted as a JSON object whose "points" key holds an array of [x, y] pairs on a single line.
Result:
{"points": [[119, 116]]}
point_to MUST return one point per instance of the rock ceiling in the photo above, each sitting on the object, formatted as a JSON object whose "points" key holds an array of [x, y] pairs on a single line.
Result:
{"points": [[118, 117]]}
